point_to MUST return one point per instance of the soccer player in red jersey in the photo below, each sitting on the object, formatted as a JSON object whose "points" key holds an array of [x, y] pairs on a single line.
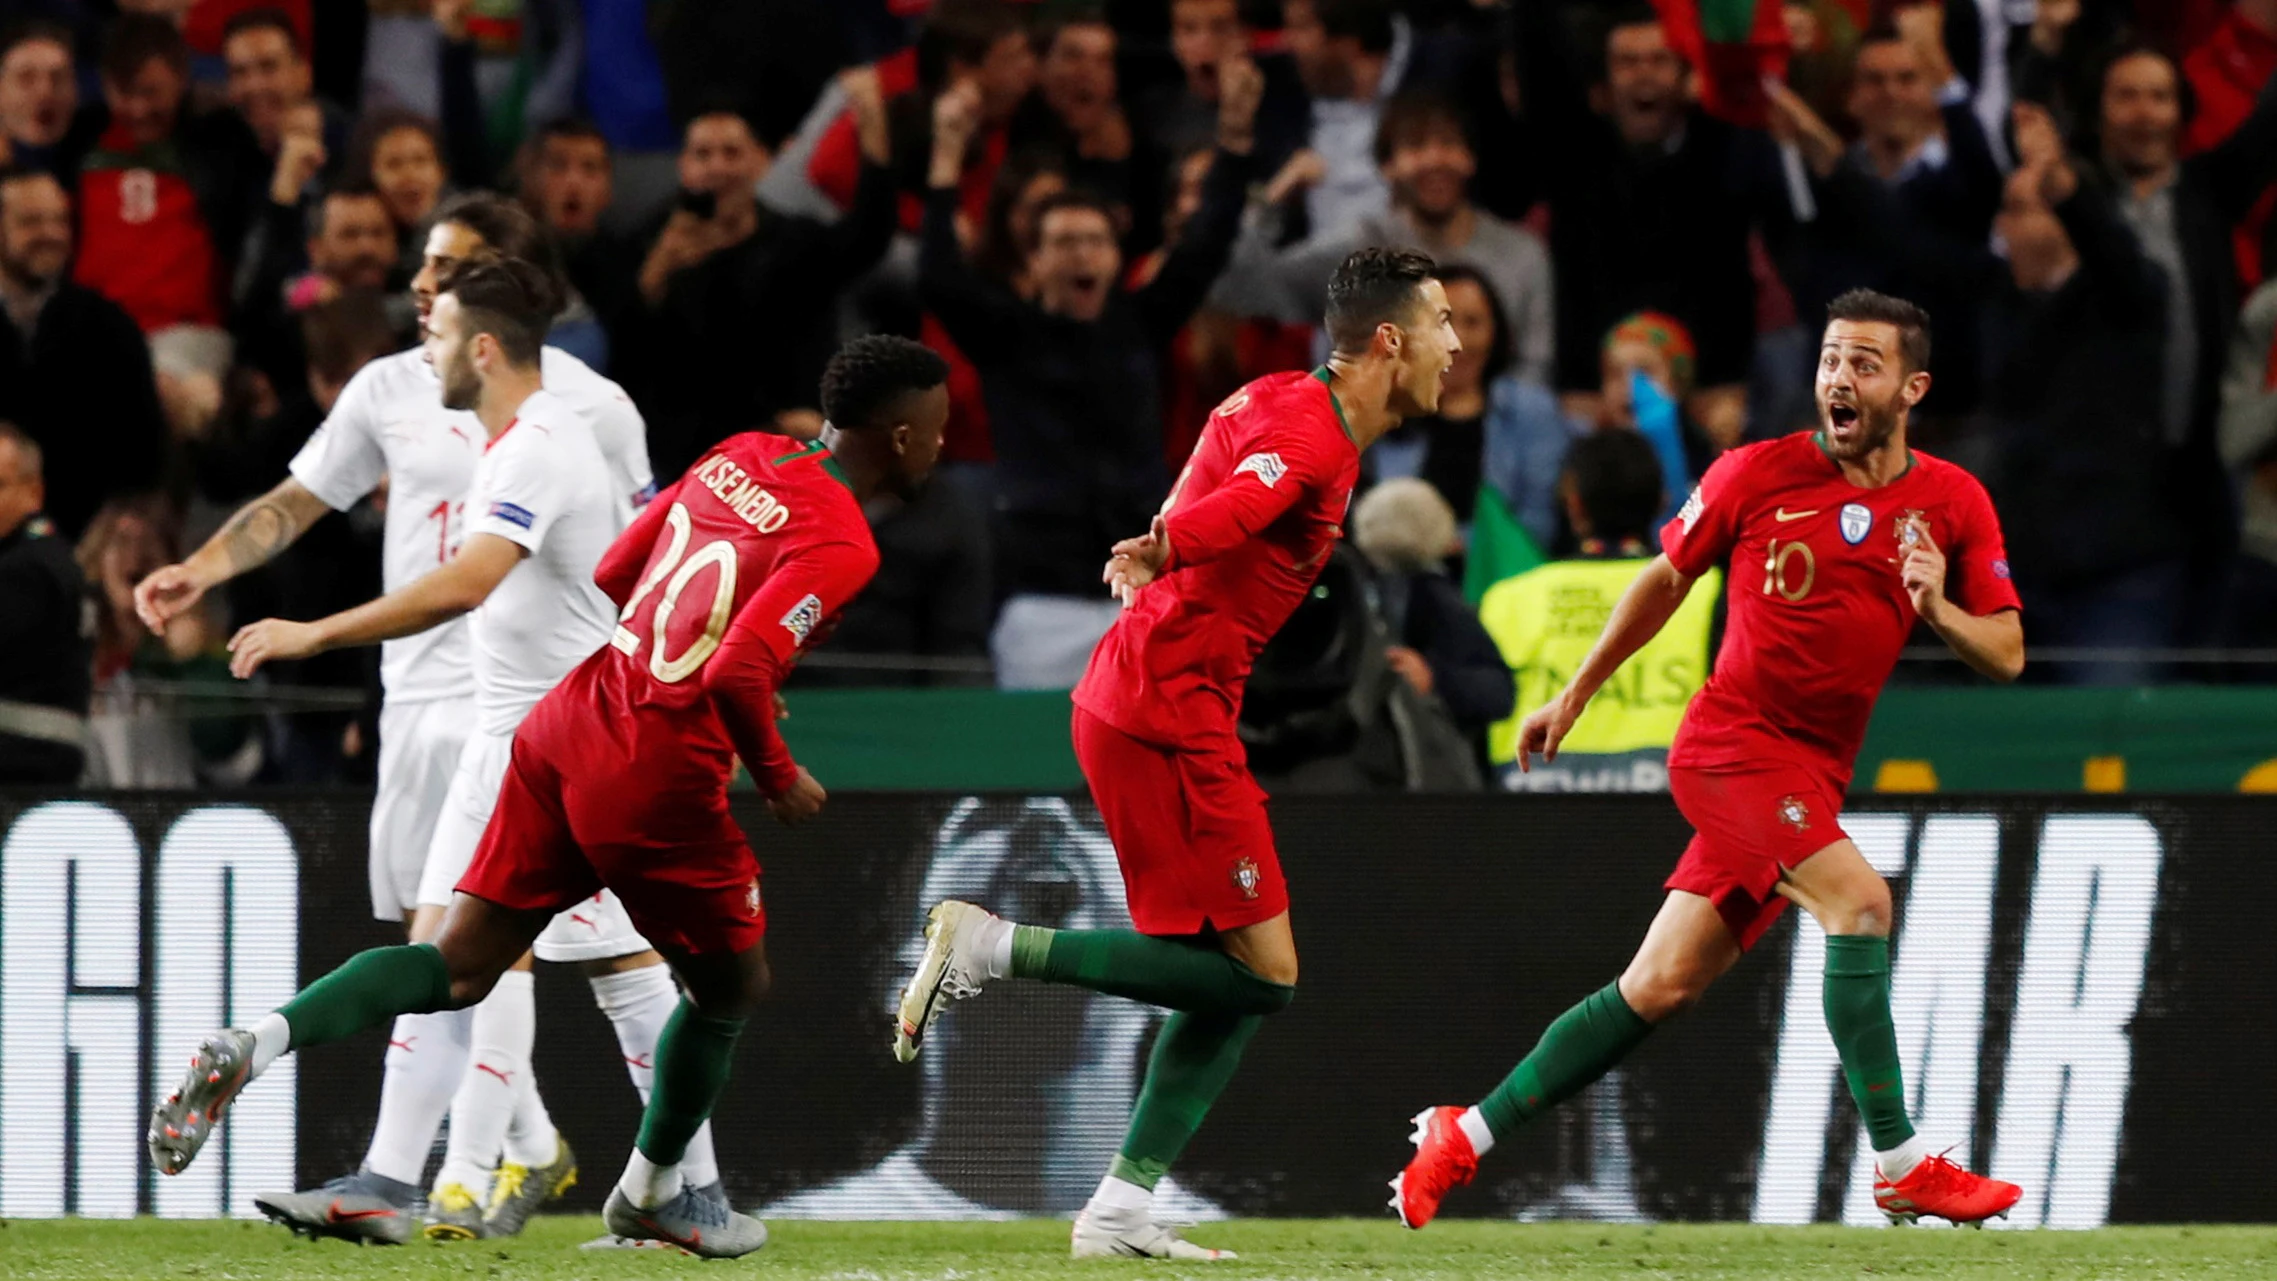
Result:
{"points": [[1836, 542], [1241, 538], [619, 777]]}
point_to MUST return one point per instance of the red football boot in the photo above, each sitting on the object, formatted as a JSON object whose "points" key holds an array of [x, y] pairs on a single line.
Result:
{"points": [[1939, 1189], [1443, 1161]]}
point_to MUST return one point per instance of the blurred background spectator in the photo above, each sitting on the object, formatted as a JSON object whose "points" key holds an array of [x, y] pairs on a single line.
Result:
{"points": [[75, 373], [1545, 621], [43, 617]]}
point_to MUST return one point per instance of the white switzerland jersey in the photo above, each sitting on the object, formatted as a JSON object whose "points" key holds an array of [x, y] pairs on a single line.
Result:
{"points": [[542, 484], [390, 422]]}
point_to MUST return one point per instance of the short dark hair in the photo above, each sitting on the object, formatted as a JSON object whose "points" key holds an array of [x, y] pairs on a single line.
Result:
{"points": [[1865, 306], [1412, 115], [580, 127], [264, 19], [1616, 475], [347, 333], [1368, 21], [1073, 198], [508, 230], [342, 191], [133, 40], [1883, 31], [962, 31], [1062, 17], [374, 128], [13, 174], [1372, 287], [1501, 351], [31, 30], [870, 375], [509, 299], [1600, 29]]}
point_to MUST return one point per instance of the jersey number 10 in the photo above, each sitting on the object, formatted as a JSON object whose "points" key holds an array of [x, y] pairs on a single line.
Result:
{"points": [[721, 552]]}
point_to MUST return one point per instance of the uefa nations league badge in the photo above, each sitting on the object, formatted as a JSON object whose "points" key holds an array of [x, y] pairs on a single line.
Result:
{"points": [[1857, 522]]}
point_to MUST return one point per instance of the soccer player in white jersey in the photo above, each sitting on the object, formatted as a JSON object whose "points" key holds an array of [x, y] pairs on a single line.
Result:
{"points": [[390, 421]]}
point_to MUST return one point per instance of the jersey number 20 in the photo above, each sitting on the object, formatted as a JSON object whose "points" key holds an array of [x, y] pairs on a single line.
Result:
{"points": [[719, 552]]}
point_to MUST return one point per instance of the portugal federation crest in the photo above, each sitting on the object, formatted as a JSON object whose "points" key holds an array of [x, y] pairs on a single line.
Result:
{"points": [[751, 898], [1857, 522], [1794, 813], [1245, 877]]}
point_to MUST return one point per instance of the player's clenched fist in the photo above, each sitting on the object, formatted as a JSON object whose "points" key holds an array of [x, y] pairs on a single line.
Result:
{"points": [[271, 640], [802, 802], [1544, 728], [165, 593]]}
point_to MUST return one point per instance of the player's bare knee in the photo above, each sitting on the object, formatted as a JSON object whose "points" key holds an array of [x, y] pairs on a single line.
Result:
{"points": [[1863, 909], [1658, 991], [469, 986]]}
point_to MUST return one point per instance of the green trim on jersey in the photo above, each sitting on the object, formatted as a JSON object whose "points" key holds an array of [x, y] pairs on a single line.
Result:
{"points": [[1818, 438], [807, 450], [1326, 378]]}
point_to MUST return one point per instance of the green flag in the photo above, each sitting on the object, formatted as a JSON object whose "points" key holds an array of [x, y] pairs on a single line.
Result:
{"points": [[1500, 546]]}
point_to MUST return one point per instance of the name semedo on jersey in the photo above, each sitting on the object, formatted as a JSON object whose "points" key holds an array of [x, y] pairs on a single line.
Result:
{"points": [[735, 487]]}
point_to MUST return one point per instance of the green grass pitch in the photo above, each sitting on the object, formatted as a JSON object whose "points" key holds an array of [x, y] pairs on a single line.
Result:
{"points": [[1278, 1249]]}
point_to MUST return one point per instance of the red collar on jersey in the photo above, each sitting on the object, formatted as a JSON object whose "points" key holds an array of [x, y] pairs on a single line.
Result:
{"points": [[501, 435]]}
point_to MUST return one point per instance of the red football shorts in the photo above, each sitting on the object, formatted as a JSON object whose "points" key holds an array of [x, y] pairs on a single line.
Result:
{"points": [[1189, 830], [674, 857], [1749, 824]]}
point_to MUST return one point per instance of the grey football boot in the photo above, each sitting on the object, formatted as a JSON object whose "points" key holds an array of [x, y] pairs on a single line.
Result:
{"points": [[715, 1192], [692, 1221], [181, 1124], [363, 1207]]}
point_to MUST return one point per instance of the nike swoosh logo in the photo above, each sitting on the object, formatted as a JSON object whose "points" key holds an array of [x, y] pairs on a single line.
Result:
{"points": [[1783, 515], [338, 1215]]}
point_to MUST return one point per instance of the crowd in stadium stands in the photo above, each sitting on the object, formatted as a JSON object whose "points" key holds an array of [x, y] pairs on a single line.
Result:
{"points": [[1108, 215]]}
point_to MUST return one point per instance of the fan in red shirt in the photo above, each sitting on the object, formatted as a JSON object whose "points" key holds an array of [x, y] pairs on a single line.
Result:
{"points": [[1240, 540], [619, 776], [1837, 542]]}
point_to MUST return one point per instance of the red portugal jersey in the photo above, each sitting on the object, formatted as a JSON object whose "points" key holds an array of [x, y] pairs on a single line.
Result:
{"points": [[1817, 613], [1252, 519], [723, 580]]}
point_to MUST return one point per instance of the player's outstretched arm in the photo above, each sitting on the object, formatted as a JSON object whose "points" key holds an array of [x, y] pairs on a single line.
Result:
{"points": [[1638, 617], [251, 538], [435, 598]]}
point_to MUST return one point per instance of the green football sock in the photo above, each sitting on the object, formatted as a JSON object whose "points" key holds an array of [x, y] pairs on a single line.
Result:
{"points": [[693, 1058], [1576, 1049], [1858, 1017], [367, 990], [1193, 1059], [1177, 974]]}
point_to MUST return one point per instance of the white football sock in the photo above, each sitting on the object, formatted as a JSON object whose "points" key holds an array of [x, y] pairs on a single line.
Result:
{"points": [[639, 1003], [498, 1067], [272, 1036], [995, 943], [647, 1184], [1899, 1161], [1475, 1129], [426, 1055], [1121, 1200], [531, 1139]]}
